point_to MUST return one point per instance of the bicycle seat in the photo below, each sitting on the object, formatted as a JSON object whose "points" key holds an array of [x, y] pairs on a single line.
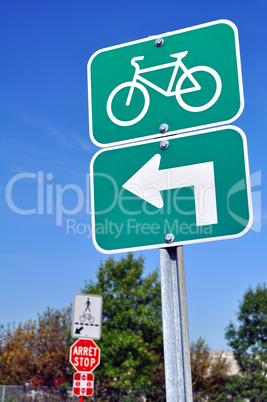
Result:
{"points": [[179, 55]]}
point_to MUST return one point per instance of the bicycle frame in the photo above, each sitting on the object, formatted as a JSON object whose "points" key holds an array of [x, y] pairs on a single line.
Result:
{"points": [[180, 89], [176, 64]]}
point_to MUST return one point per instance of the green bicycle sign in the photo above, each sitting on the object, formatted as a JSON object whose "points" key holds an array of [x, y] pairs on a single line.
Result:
{"points": [[184, 79]]}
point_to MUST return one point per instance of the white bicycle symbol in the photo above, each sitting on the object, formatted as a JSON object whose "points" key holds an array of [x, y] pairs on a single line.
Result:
{"points": [[178, 92]]}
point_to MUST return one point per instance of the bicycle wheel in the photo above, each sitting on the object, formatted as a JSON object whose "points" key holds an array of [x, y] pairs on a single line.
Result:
{"points": [[91, 319], [140, 115], [189, 74], [82, 318]]}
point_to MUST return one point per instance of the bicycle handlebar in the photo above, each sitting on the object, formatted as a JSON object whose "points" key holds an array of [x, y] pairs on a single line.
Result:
{"points": [[134, 59]]}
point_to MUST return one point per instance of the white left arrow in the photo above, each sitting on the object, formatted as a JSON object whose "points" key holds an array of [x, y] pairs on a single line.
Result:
{"points": [[148, 181]]}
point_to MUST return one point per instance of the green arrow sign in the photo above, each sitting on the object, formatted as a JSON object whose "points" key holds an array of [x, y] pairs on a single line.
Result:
{"points": [[184, 79], [194, 190]]}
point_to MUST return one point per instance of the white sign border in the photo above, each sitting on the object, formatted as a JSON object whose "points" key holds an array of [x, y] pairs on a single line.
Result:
{"points": [[164, 245], [155, 135]]}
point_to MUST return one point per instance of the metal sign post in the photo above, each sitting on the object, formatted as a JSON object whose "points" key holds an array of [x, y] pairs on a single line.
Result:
{"points": [[175, 327]]}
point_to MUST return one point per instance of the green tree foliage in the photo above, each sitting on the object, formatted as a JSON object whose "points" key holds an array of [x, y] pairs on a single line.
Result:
{"points": [[37, 351], [249, 342], [208, 376], [131, 343]]}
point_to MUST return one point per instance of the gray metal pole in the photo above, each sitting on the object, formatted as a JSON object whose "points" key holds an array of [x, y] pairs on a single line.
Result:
{"points": [[175, 327]]}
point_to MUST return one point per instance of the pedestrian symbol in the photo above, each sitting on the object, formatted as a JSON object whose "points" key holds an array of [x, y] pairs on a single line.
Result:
{"points": [[87, 316]]}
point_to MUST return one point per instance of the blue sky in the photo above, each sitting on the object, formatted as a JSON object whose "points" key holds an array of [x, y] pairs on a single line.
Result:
{"points": [[45, 47]]}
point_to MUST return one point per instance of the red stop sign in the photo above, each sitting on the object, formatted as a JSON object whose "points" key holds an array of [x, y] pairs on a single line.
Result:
{"points": [[84, 355]]}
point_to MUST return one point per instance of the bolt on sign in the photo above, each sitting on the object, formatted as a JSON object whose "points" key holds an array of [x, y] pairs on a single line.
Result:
{"points": [[84, 355], [83, 384], [181, 80], [185, 189]]}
